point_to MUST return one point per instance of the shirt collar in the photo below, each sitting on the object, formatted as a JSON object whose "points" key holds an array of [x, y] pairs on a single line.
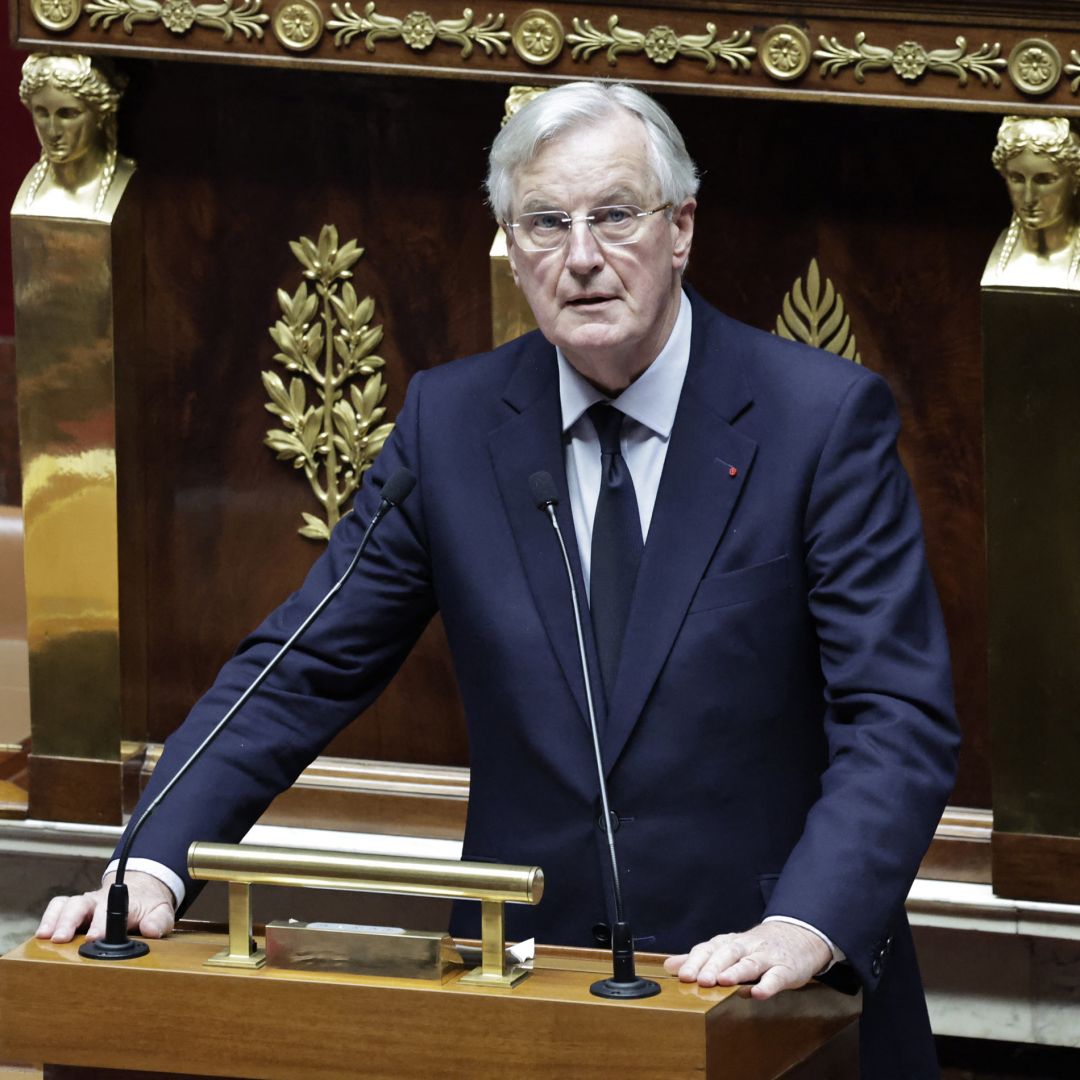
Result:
{"points": [[651, 399]]}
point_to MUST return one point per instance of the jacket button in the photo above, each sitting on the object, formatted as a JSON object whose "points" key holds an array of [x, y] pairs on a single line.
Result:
{"points": [[614, 821], [601, 933], [875, 967]]}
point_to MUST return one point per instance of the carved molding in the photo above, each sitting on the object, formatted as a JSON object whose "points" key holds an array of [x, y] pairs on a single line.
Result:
{"points": [[1009, 68], [179, 16], [910, 61], [418, 29], [661, 44]]}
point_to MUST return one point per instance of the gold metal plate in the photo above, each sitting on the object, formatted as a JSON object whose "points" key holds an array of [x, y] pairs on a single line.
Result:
{"points": [[361, 950]]}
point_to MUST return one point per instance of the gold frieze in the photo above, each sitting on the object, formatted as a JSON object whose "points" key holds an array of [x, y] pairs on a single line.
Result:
{"points": [[298, 24], [910, 61], [326, 340], [1035, 66], [661, 44], [815, 315], [179, 16], [418, 29]]}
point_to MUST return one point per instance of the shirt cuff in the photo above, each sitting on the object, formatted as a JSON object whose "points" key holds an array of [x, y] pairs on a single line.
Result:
{"points": [[157, 870], [838, 954]]}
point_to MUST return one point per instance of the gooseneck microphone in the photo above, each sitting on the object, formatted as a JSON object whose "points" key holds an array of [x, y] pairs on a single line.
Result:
{"points": [[116, 944], [624, 982]]}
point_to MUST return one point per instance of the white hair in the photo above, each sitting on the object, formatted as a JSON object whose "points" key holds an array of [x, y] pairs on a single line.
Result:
{"points": [[580, 104]]}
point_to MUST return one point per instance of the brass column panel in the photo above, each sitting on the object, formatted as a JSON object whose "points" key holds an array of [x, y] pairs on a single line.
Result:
{"points": [[511, 315], [68, 284], [1032, 401]]}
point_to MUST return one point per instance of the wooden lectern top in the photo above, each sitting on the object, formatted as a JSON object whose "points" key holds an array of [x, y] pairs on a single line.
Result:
{"points": [[168, 1013]]}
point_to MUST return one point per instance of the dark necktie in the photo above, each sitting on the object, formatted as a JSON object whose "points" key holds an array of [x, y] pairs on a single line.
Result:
{"points": [[616, 544]]}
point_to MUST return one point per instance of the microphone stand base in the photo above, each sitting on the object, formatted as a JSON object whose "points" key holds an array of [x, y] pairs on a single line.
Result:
{"points": [[103, 950], [626, 989]]}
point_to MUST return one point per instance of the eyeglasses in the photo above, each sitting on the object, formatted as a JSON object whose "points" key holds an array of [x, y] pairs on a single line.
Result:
{"points": [[611, 226]]}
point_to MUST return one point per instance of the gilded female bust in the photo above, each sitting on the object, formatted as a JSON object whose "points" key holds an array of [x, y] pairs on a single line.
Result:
{"points": [[1039, 157], [73, 102]]}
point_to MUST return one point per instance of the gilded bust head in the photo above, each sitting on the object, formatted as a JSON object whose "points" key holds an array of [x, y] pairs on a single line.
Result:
{"points": [[1039, 158], [73, 102]]}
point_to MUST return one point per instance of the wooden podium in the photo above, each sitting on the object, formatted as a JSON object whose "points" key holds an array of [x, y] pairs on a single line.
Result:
{"points": [[166, 1014]]}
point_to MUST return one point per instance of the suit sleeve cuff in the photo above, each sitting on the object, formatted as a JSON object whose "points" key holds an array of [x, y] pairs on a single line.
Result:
{"points": [[157, 870], [838, 955]]}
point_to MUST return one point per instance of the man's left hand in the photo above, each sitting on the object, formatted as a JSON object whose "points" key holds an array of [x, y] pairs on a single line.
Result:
{"points": [[773, 956]]}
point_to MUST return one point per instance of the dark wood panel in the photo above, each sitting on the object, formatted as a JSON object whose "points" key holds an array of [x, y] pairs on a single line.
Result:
{"points": [[396, 167], [236, 163], [1029, 866], [75, 789]]}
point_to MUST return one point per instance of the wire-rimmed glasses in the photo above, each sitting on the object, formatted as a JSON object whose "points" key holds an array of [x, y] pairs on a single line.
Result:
{"points": [[612, 226]]}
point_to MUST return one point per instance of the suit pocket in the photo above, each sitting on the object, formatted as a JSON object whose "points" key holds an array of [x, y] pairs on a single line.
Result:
{"points": [[741, 586]]}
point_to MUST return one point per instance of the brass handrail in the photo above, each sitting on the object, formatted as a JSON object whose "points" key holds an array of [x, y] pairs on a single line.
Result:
{"points": [[244, 865]]}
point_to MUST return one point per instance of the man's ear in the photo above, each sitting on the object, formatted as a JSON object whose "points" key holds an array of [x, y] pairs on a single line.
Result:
{"points": [[682, 224]]}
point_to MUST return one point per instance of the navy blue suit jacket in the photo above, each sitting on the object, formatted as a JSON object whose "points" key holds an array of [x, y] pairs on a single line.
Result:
{"points": [[780, 737]]}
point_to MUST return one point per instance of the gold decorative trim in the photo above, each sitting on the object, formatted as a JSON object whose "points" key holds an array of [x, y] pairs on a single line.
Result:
{"points": [[179, 16], [785, 52], [910, 61], [418, 29], [538, 36], [298, 24], [518, 96], [56, 15], [1073, 70], [1035, 66], [661, 44], [336, 441], [816, 316]]}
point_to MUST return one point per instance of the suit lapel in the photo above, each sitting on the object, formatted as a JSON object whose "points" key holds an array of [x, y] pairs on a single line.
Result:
{"points": [[695, 500], [531, 441]]}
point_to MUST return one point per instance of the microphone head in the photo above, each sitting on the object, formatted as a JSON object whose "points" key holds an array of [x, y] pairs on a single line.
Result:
{"points": [[543, 490], [396, 490]]}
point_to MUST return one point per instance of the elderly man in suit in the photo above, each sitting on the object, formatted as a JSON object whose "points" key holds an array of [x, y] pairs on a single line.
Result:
{"points": [[763, 637]]}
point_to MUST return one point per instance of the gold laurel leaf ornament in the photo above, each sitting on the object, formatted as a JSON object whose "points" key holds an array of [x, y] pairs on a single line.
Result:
{"points": [[815, 315], [326, 343]]}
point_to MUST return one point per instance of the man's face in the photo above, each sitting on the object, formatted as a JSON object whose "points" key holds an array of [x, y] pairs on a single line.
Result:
{"points": [[610, 309]]}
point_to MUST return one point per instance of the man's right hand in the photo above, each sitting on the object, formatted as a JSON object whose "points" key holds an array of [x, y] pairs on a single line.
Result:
{"points": [[150, 910]]}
